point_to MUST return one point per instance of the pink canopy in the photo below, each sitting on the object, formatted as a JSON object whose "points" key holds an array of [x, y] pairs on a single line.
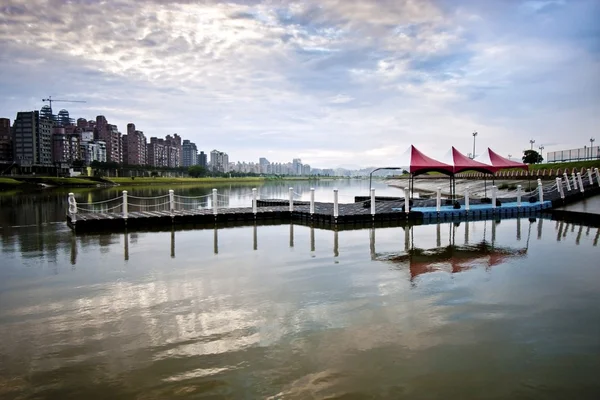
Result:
{"points": [[418, 163], [495, 160], [460, 162]]}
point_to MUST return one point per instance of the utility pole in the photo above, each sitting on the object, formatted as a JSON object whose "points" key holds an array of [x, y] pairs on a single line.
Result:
{"points": [[532, 142], [474, 135], [541, 150], [592, 140]]}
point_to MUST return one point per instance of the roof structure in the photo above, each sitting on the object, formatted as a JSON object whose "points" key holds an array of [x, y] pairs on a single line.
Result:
{"points": [[418, 163], [460, 162], [495, 160]]}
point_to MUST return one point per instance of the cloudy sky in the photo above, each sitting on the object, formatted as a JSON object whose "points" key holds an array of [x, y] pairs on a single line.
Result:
{"points": [[334, 82]]}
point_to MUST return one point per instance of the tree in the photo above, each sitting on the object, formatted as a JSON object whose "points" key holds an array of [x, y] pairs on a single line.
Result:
{"points": [[197, 171], [532, 157]]}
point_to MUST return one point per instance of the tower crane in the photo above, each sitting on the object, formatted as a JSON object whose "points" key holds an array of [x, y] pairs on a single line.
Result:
{"points": [[50, 100]]}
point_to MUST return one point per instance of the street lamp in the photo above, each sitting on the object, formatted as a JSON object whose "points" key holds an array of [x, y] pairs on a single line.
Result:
{"points": [[532, 143], [592, 140], [509, 156], [474, 135], [541, 150]]}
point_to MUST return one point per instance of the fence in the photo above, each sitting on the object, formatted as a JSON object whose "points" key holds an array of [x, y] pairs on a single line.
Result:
{"points": [[581, 154]]}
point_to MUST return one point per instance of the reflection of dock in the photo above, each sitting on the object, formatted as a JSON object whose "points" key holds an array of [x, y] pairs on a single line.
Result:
{"points": [[451, 256]]}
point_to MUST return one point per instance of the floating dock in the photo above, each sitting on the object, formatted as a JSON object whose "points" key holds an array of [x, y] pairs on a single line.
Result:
{"points": [[386, 210]]}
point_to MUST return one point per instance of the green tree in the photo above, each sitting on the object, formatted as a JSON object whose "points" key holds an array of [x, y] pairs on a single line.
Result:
{"points": [[196, 171], [532, 157]]}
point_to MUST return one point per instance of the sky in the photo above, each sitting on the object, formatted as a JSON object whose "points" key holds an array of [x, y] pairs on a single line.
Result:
{"points": [[333, 82]]}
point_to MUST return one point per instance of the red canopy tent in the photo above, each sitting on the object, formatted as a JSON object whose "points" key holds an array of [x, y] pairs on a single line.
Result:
{"points": [[495, 160], [417, 163], [460, 162]]}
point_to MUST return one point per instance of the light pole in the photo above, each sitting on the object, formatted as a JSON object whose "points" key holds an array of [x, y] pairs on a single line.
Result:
{"points": [[474, 135], [541, 150], [592, 140], [509, 156], [532, 143]]}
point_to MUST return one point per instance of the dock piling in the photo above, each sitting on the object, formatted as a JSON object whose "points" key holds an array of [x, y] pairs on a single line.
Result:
{"points": [[171, 200], [438, 199], [373, 202], [254, 206], [540, 191], [312, 201], [214, 201], [124, 204], [406, 200], [567, 181], [581, 189], [291, 197], [560, 188], [519, 187], [574, 180], [494, 194], [336, 211], [72, 207], [590, 177], [467, 199]]}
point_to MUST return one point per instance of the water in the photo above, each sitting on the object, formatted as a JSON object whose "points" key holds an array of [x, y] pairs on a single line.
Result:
{"points": [[482, 310]]}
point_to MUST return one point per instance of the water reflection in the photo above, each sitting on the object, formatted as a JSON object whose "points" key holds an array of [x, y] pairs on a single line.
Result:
{"points": [[455, 255]]}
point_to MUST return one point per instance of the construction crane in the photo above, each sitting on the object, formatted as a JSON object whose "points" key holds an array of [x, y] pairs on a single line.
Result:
{"points": [[50, 100]]}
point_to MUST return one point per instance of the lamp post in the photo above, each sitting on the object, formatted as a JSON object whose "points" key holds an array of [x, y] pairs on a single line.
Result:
{"points": [[474, 136], [592, 140], [509, 156], [541, 150], [532, 142]]}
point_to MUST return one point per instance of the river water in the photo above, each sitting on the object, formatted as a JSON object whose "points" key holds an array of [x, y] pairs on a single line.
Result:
{"points": [[479, 310]]}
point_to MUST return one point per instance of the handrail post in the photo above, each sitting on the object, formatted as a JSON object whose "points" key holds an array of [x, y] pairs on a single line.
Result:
{"points": [[590, 177], [560, 188], [467, 206], [574, 181], [171, 200], [215, 201], [519, 195], [540, 191], [567, 182], [494, 188], [335, 204], [438, 199], [125, 211], [254, 205], [312, 201], [580, 182], [373, 201], [72, 207], [406, 200], [291, 197]]}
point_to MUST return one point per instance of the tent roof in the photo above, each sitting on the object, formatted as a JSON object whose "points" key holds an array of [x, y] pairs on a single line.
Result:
{"points": [[492, 158], [460, 162], [418, 163]]}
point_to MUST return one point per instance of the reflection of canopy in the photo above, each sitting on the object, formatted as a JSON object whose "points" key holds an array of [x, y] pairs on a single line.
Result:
{"points": [[460, 162], [495, 160], [460, 258], [418, 163]]}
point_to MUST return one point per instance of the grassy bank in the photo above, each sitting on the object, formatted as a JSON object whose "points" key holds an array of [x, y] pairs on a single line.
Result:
{"points": [[45, 180], [9, 183], [575, 164]]}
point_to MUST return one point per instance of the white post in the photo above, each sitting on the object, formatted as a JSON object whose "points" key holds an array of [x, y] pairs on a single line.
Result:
{"points": [[467, 199], [406, 200], [438, 199], [214, 201], [597, 175], [254, 206], [560, 188], [335, 203], [590, 177], [72, 207], [580, 182], [312, 201], [291, 196], [540, 191], [574, 181], [125, 204], [172, 200], [567, 181], [494, 188], [373, 201], [518, 195]]}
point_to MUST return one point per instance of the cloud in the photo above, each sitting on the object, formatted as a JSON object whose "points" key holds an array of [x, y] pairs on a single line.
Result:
{"points": [[331, 81]]}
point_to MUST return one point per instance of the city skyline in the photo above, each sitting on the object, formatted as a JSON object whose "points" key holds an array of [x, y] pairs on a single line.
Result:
{"points": [[328, 82]]}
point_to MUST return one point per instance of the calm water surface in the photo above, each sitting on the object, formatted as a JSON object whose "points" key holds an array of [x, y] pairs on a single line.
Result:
{"points": [[483, 310]]}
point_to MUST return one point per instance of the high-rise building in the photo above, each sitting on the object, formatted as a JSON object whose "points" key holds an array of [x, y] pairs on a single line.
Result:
{"points": [[156, 153], [173, 150], [32, 139], [189, 153], [264, 165], [63, 118], [202, 161], [134, 146], [5, 141], [296, 166], [111, 136], [219, 161]]}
